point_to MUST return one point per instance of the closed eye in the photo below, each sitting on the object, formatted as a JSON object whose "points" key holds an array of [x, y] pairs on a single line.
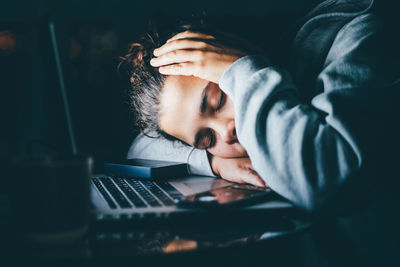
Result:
{"points": [[205, 139], [209, 139]]}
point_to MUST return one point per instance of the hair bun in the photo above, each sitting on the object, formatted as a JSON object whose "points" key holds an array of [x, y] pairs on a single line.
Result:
{"points": [[137, 53], [138, 56]]}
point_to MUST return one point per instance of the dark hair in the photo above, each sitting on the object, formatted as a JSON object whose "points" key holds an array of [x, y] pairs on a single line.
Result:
{"points": [[145, 81]]}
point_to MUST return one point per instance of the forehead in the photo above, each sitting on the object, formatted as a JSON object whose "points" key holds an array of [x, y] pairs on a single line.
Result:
{"points": [[179, 106], [182, 86]]}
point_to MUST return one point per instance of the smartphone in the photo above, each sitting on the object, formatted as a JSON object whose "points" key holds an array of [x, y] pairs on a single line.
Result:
{"points": [[228, 196]]}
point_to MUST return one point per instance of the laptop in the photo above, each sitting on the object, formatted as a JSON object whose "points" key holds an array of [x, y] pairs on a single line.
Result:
{"points": [[114, 197]]}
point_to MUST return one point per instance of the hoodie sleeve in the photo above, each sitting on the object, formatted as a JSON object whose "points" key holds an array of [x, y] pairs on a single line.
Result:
{"points": [[307, 151]]}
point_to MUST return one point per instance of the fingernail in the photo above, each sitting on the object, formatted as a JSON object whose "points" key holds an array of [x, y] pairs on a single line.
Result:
{"points": [[152, 61], [155, 52]]}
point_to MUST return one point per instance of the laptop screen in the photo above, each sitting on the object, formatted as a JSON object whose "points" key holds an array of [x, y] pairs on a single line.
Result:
{"points": [[32, 109]]}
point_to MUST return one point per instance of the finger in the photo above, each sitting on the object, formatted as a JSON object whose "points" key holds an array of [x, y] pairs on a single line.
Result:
{"points": [[176, 56], [233, 179], [259, 181], [186, 69], [252, 178], [179, 45], [190, 34]]}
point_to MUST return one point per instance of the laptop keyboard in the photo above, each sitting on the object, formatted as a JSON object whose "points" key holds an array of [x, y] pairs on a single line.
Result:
{"points": [[101, 189], [134, 193], [116, 194], [152, 187], [137, 185]]}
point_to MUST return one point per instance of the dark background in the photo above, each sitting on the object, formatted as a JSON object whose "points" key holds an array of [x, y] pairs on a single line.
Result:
{"points": [[91, 37]]}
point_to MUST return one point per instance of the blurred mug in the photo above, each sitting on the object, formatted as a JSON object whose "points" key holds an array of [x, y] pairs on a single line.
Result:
{"points": [[50, 197]]}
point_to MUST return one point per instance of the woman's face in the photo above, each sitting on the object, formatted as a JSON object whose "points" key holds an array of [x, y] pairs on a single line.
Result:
{"points": [[200, 114]]}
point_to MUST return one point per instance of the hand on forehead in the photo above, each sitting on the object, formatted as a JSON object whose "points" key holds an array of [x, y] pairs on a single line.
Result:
{"points": [[195, 54]]}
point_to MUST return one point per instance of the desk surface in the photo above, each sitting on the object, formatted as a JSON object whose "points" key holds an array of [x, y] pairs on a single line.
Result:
{"points": [[366, 239], [172, 244]]}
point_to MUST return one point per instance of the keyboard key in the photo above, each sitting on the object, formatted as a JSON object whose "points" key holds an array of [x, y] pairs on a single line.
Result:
{"points": [[143, 192], [132, 195], [118, 196], [158, 193], [172, 192], [101, 189]]}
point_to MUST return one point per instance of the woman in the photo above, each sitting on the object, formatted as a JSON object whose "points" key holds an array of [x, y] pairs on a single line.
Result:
{"points": [[310, 131], [227, 156]]}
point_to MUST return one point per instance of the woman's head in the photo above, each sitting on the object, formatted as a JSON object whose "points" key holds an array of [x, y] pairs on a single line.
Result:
{"points": [[187, 108]]}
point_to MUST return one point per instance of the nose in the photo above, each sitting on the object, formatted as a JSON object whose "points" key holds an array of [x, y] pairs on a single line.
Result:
{"points": [[226, 129]]}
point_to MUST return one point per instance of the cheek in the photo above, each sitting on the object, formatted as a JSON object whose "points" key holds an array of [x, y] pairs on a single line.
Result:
{"points": [[225, 150]]}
